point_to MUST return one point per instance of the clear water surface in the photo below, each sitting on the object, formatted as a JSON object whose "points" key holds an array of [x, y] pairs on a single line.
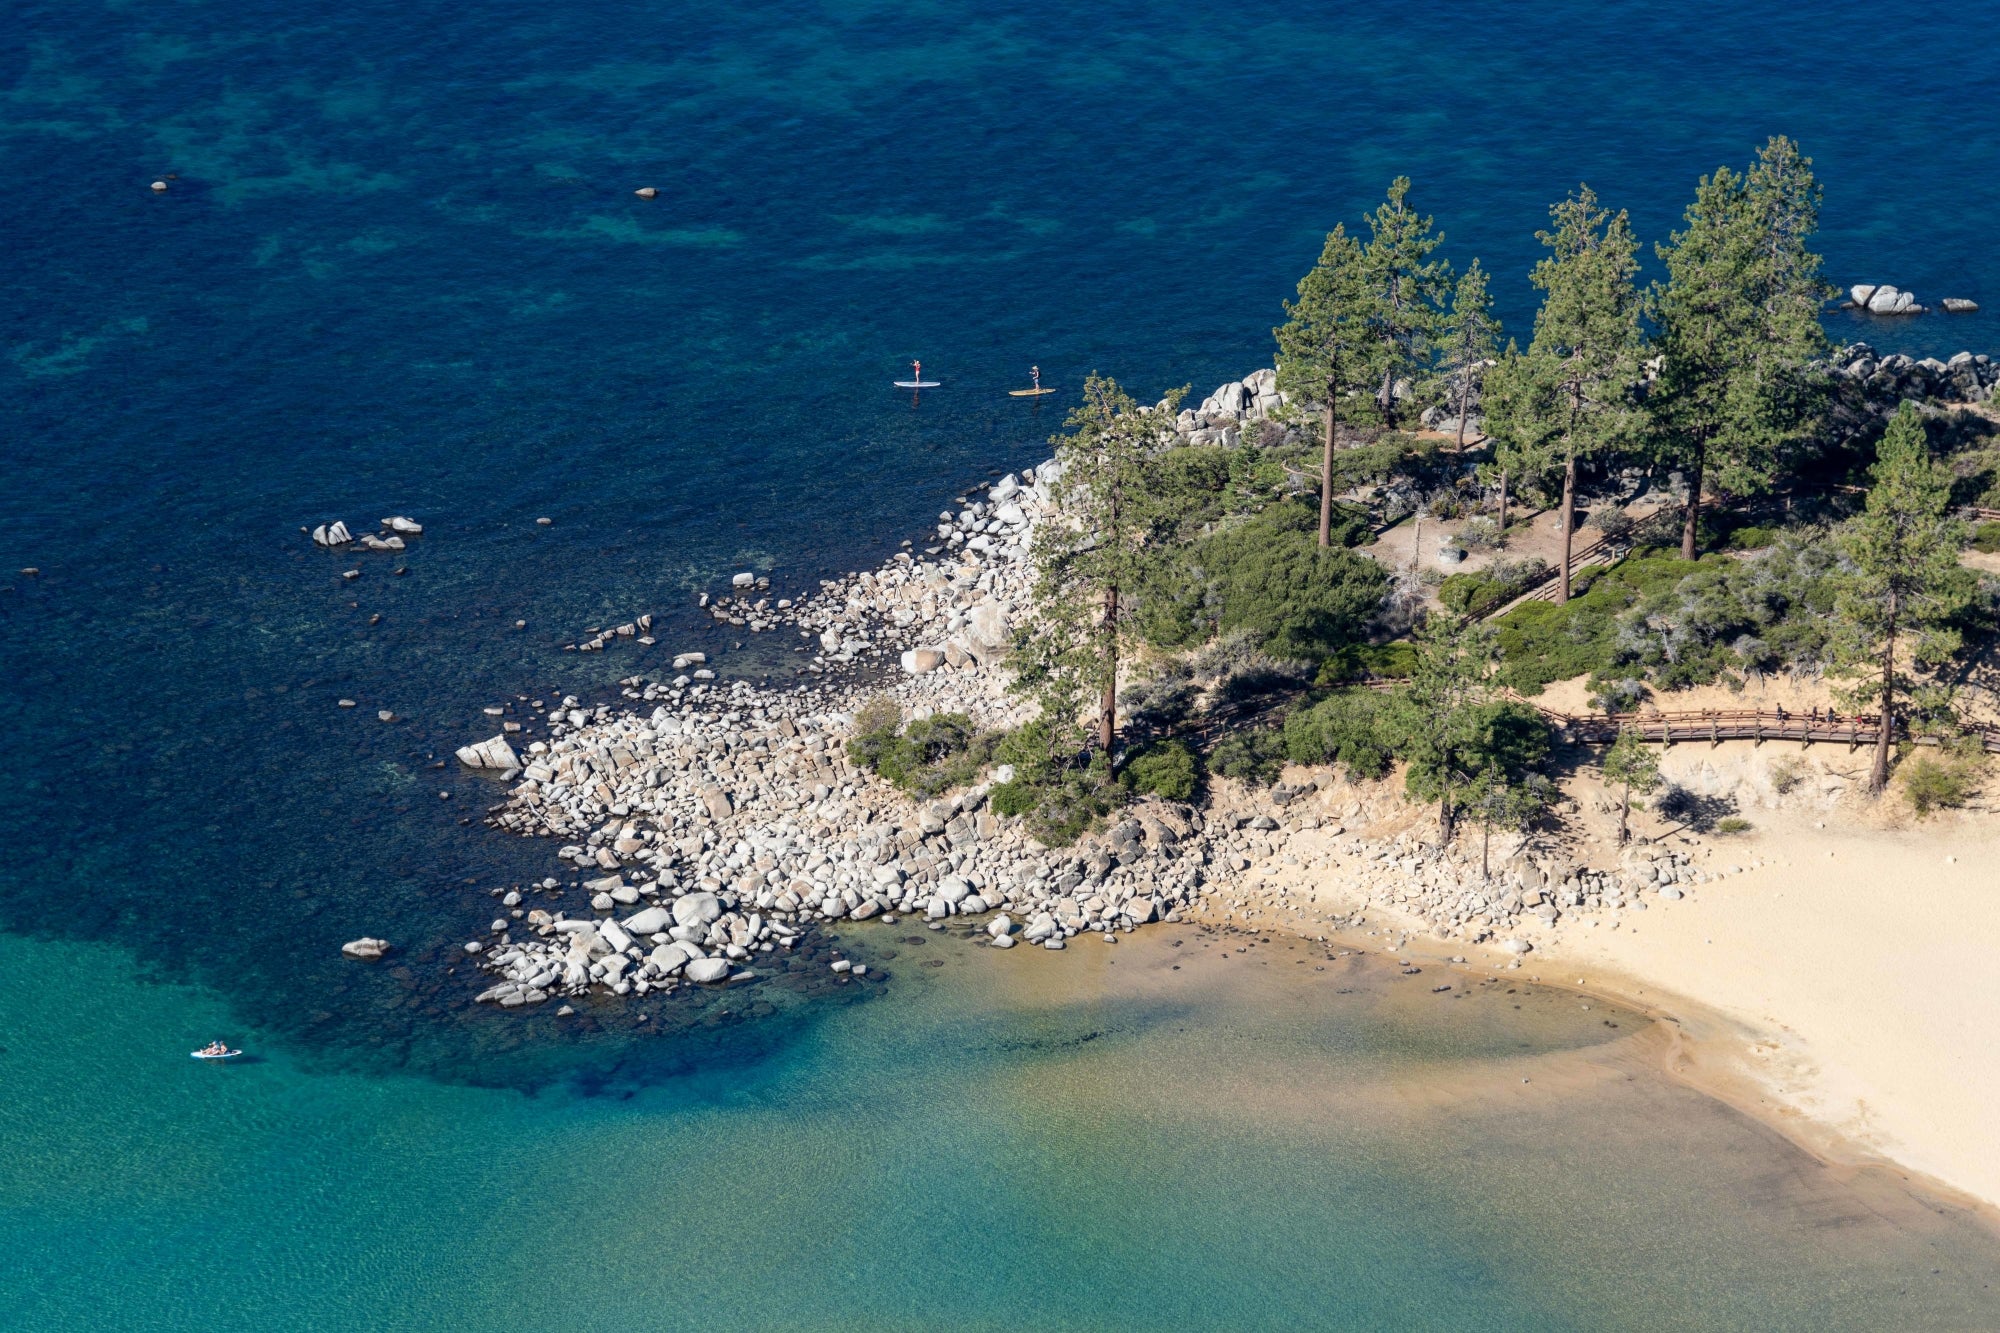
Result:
{"points": [[400, 269]]}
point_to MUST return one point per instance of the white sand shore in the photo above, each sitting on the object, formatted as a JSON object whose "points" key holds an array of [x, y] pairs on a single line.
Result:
{"points": [[1860, 964]]}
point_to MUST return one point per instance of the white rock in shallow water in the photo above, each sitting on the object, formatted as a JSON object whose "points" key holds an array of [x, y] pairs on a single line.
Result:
{"points": [[494, 753], [408, 526], [366, 947], [743, 581], [1000, 927], [708, 970], [1003, 941]]}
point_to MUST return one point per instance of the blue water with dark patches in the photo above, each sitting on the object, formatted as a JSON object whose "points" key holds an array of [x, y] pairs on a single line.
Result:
{"points": [[400, 269]]}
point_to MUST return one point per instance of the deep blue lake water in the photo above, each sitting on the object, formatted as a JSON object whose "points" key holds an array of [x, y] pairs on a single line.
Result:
{"points": [[400, 268]]}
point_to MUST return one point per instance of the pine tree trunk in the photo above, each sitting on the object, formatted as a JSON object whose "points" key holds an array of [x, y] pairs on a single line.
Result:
{"points": [[1624, 815], [1464, 396], [1107, 721], [1503, 501], [1690, 527], [1569, 524], [1485, 842], [1386, 400], [1878, 776], [1326, 475]]}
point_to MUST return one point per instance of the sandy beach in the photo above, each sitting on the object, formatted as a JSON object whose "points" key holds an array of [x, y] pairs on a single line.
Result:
{"points": [[1832, 974], [1857, 966]]}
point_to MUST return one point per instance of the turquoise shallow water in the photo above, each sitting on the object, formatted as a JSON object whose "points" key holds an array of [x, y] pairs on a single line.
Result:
{"points": [[400, 270], [1033, 1142]]}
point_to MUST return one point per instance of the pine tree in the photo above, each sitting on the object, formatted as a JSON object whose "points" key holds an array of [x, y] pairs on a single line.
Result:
{"points": [[1438, 717], [1408, 290], [1894, 611], [1095, 552], [1629, 763], [1586, 339], [1518, 403], [1738, 321], [1324, 348], [1497, 799], [1471, 339]]}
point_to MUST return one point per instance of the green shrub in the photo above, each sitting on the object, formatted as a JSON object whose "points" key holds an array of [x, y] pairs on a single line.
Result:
{"points": [[1751, 538], [1351, 728], [1013, 798], [1167, 769], [1479, 594], [1657, 618], [1251, 757], [1368, 661], [1265, 575], [1931, 785], [1986, 538], [1732, 824], [928, 758]]}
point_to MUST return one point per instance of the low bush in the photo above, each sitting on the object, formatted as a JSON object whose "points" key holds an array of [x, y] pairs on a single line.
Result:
{"points": [[1351, 728], [1986, 538], [1930, 784], [1266, 576], [1254, 758], [1732, 824], [1167, 769], [1752, 538], [1479, 594], [927, 758], [1368, 661]]}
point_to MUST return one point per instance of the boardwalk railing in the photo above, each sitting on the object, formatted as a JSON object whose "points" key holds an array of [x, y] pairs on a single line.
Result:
{"points": [[1716, 725]]}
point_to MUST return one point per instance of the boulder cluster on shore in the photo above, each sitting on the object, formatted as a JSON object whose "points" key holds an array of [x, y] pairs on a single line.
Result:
{"points": [[715, 824]]}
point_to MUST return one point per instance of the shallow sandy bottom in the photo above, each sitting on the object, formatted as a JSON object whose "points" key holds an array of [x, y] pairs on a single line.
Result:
{"points": [[1858, 968]]}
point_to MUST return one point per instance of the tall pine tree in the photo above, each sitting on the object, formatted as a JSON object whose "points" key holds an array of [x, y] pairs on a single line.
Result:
{"points": [[1586, 339], [1470, 342], [1092, 554], [1325, 349], [1738, 319], [1893, 615], [1408, 290]]}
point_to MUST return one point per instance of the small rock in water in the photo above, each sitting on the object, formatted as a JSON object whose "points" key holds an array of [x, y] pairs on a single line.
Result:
{"points": [[543, 522], [367, 947], [347, 703], [159, 187], [646, 192]]}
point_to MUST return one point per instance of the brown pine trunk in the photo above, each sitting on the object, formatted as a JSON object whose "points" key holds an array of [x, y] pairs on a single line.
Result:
{"points": [[1503, 501], [1107, 720], [1485, 842], [1688, 529], [1878, 775], [1625, 815], [1326, 474], [1386, 399], [1569, 524], [1464, 396]]}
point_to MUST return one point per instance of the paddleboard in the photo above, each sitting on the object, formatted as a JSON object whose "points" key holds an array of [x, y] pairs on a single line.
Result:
{"points": [[1028, 393], [918, 384]]}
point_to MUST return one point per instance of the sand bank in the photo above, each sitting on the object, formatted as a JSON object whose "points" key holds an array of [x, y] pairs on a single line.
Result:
{"points": [[1860, 966]]}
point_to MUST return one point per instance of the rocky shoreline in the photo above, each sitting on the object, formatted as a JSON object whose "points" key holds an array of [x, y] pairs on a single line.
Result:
{"points": [[717, 830]]}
